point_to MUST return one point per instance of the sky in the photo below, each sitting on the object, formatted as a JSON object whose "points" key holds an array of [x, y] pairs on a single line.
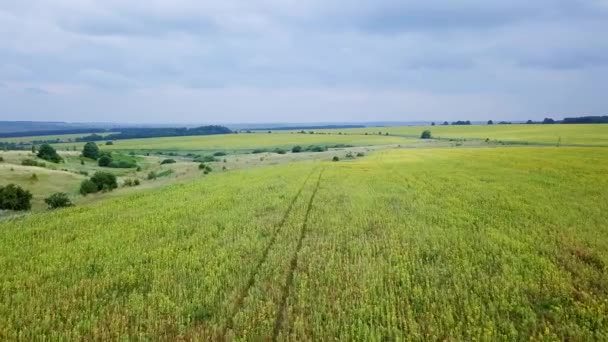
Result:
{"points": [[229, 61]]}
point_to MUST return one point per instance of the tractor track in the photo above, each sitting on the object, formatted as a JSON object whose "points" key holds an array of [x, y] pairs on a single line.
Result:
{"points": [[251, 280], [293, 265]]}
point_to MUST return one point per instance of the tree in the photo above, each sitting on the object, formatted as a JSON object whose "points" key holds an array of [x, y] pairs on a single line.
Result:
{"points": [[88, 187], [432, 123], [529, 122], [104, 161], [90, 150], [490, 122], [13, 197], [425, 134], [445, 123], [47, 152], [104, 181], [548, 121], [296, 149], [58, 200], [33, 148]]}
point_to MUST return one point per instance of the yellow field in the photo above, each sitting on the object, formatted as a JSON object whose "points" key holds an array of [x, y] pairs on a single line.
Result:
{"points": [[423, 244], [591, 134], [242, 142]]}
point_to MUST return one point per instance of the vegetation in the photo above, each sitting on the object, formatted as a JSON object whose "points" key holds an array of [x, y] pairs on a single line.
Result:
{"points": [[296, 149], [58, 200], [31, 162], [426, 134], [104, 181], [88, 187], [105, 160], [90, 150], [479, 250], [167, 161], [48, 153], [13, 197], [138, 133]]}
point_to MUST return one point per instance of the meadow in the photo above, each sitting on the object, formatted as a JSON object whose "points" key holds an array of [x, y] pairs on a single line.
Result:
{"points": [[57, 137], [583, 134], [241, 142], [445, 243]]}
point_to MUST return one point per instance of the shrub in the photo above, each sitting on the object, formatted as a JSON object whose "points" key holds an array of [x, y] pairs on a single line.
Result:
{"points": [[131, 182], [104, 180], [47, 152], [205, 159], [31, 162], [167, 161], [104, 161], [81, 162], [13, 197], [34, 177], [280, 151], [296, 149], [88, 187], [109, 143], [201, 166], [426, 134], [360, 154], [122, 164], [316, 148], [1, 159], [151, 175], [258, 150], [350, 155], [90, 150], [58, 200], [219, 154], [335, 158]]}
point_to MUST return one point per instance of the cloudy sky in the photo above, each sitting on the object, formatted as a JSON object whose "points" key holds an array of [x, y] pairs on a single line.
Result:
{"points": [[302, 60]]}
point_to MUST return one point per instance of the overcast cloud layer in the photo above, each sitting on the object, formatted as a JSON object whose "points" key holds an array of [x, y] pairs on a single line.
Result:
{"points": [[302, 60]]}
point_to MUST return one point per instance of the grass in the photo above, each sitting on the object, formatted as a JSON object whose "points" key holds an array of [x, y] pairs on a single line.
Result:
{"points": [[239, 142], [432, 244], [587, 134]]}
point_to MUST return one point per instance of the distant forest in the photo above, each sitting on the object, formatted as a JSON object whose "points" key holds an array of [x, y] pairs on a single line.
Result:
{"points": [[287, 128], [138, 133]]}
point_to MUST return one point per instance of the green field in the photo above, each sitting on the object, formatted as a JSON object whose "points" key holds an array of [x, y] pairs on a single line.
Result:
{"points": [[242, 142], [421, 244], [544, 134]]}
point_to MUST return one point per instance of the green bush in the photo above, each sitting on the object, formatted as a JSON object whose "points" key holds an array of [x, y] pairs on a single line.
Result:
{"points": [[104, 161], [167, 161], [90, 150], [13, 197], [296, 149], [201, 166], [426, 134], [58, 200], [88, 187], [205, 159], [104, 181], [259, 150], [335, 158], [219, 154], [360, 154], [1, 159], [151, 175], [109, 143], [122, 164], [47, 152], [316, 148], [280, 151]]}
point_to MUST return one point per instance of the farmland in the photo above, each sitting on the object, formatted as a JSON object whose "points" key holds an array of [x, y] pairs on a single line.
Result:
{"points": [[417, 243], [582, 134], [243, 141]]}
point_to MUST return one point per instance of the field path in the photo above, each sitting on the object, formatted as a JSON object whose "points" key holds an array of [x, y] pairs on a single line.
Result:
{"points": [[294, 264], [251, 281]]}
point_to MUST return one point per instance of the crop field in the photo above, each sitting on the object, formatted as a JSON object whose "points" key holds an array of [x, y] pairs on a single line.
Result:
{"points": [[434, 244], [535, 133], [242, 141]]}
